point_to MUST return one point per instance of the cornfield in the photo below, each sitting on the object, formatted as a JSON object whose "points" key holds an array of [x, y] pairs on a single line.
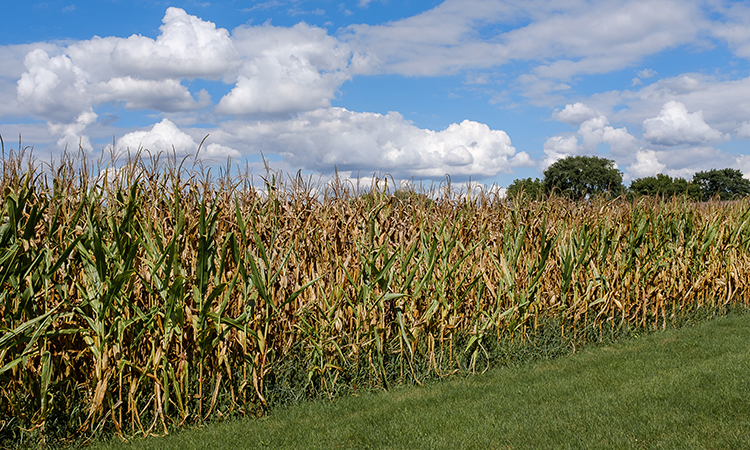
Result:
{"points": [[142, 297]]}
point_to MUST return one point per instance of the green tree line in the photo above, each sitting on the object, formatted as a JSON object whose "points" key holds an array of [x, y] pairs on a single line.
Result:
{"points": [[581, 177]]}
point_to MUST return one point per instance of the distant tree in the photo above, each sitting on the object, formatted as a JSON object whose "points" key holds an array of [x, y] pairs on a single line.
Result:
{"points": [[410, 195], [530, 187], [579, 176], [664, 186], [726, 183]]}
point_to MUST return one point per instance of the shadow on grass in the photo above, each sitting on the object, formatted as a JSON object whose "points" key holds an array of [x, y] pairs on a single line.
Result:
{"points": [[686, 388]]}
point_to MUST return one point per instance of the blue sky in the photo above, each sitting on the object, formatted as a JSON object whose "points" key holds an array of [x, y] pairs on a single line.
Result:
{"points": [[478, 89]]}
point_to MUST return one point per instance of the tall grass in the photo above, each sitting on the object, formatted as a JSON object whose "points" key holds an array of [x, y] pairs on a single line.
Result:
{"points": [[146, 295]]}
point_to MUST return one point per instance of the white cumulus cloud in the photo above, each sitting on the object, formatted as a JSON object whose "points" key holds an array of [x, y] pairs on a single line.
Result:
{"points": [[675, 126], [646, 164], [285, 70], [594, 129], [162, 95], [725, 103], [53, 87], [63, 84], [72, 134], [187, 47], [165, 136], [318, 140], [576, 114], [559, 147]]}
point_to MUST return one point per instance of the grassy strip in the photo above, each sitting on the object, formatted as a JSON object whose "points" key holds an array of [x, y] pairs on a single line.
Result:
{"points": [[687, 388]]}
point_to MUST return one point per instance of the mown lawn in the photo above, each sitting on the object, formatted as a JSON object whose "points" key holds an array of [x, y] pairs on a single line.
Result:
{"points": [[681, 389]]}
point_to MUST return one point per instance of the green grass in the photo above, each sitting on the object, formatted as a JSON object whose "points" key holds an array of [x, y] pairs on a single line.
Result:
{"points": [[681, 389]]}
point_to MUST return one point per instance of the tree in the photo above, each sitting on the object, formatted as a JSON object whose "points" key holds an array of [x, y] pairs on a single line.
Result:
{"points": [[533, 188], [410, 195], [726, 183], [581, 176], [664, 186]]}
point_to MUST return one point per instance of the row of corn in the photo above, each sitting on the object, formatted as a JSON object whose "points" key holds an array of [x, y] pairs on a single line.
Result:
{"points": [[155, 295]]}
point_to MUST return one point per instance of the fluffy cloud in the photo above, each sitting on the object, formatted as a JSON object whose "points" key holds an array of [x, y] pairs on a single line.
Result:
{"points": [[72, 134], [13, 57], [63, 84], [187, 47], [576, 114], [559, 147], [646, 165], [165, 137], [11, 70], [320, 139], [58, 90], [162, 95], [285, 70], [594, 129], [681, 136], [275, 71], [663, 109], [725, 103], [675, 126], [54, 88], [131, 70]]}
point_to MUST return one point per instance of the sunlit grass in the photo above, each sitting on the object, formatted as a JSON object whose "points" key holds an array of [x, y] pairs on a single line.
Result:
{"points": [[678, 389]]}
